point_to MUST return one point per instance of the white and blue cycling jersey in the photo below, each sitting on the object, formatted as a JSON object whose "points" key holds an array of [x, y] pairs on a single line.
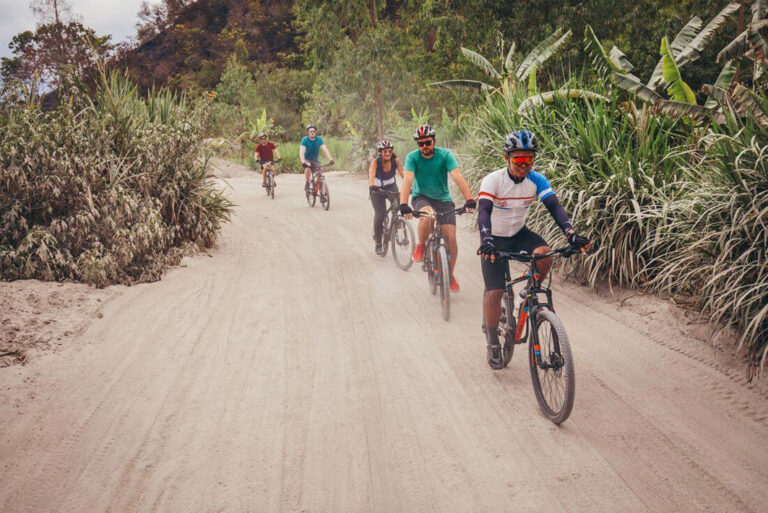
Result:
{"points": [[512, 201]]}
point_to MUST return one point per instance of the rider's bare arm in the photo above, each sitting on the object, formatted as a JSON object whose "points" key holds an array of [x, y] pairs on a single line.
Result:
{"points": [[407, 184], [399, 167], [326, 151], [458, 179], [372, 173], [277, 154], [302, 149]]}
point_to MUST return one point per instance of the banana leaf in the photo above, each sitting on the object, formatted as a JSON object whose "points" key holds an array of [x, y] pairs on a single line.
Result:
{"points": [[475, 85], [683, 39], [542, 52], [678, 110], [677, 89], [481, 62], [693, 50], [722, 83], [563, 94]]}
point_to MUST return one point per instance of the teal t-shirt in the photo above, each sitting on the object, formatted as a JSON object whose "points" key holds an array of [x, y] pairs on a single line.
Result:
{"points": [[312, 151], [431, 175]]}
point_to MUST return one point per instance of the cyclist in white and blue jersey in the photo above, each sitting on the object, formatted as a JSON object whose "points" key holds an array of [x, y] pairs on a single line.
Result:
{"points": [[505, 197]]}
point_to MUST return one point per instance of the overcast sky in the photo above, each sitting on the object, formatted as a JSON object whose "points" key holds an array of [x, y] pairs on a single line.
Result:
{"points": [[114, 17]]}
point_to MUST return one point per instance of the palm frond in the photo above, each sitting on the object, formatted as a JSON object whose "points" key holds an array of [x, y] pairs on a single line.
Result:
{"points": [[563, 94], [693, 50], [618, 58], [542, 52], [751, 103], [678, 110], [509, 61], [475, 85], [481, 62], [749, 40]]}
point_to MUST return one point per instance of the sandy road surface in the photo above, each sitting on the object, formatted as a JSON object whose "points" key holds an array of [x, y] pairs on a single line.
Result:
{"points": [[294, 370]]}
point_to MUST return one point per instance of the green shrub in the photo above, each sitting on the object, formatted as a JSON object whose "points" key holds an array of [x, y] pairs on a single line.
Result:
{"points": [[109, 190]]}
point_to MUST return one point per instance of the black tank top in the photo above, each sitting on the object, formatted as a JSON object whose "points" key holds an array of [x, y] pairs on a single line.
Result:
{"points": [[385, 177]]}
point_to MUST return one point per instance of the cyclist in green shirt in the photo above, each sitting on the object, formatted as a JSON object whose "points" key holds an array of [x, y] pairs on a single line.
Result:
{"points": [[426, 172], [309, 152]]}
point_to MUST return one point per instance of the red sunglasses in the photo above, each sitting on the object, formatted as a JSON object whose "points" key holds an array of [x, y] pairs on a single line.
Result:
{"points": [[522, 160]]}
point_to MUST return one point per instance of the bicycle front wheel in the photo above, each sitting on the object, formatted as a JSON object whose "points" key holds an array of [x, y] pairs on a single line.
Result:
{"points": [[272, 186], [402, 243], [554, 382], [325, 196], [444, 282], [311, 196]]}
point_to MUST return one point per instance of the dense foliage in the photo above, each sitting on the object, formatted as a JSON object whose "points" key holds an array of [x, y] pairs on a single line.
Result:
{"points": [[110, 189]]}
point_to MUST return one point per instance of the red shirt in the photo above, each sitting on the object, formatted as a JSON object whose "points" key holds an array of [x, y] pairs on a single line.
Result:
{"points": [[265, 150]]}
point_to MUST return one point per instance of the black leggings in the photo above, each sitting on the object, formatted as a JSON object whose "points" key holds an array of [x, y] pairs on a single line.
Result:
{"points": [[379, 202]]}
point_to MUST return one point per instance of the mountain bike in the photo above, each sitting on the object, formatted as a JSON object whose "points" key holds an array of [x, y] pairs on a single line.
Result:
{"points": [[549, 351], [398, 231], [436, 260], [318, 188], [270, 179]]}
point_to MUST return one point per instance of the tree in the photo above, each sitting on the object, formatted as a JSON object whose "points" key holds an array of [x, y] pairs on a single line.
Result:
{"points": [[52, 11], [51, 49]]}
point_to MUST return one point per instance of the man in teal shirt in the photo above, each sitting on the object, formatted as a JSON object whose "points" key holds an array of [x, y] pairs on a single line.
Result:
{"points": [[309, 151], [426, 171]]}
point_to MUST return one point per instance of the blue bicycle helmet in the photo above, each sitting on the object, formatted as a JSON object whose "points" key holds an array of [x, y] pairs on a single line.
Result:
{"points": [[520, 140]]}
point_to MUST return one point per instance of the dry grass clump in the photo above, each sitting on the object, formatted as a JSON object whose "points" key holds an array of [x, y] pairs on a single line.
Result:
{"points": [[105, 189]]}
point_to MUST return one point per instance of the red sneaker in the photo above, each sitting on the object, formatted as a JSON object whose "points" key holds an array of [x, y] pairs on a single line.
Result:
{"points": [[454, 285], [418, 253]]}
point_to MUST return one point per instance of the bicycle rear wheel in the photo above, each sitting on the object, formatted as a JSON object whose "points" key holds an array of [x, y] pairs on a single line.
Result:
{"points": [[444, 282], [325, 196], [403, 242], [554, 385]]}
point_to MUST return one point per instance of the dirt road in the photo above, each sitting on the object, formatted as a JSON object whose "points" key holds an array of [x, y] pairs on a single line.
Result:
{"points": [[294, 370]]}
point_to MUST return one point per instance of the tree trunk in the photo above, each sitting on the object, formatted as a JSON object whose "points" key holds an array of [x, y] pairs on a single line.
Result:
{"points": [[739, 30], [379, 114], [372, 6]]}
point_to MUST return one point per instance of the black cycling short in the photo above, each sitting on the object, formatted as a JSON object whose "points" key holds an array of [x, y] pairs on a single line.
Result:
{"points": [[524, 240], [262, 162], [420, 202]]}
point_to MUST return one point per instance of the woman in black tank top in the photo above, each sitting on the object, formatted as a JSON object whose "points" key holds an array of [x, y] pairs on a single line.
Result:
{"points": [[381, 174]]}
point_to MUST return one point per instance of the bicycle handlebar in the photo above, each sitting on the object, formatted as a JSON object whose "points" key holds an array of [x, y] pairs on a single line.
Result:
{"points": [[528, 257], [459, 211]]}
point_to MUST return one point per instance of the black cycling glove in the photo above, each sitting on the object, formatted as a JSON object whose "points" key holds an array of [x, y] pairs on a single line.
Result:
{"points": [[577, 241], [405, 209], [471, 204], [487, 249]]}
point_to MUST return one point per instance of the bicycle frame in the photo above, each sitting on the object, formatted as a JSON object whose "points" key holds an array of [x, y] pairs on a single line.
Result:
{"points": [[315, 179], [531, 304]]}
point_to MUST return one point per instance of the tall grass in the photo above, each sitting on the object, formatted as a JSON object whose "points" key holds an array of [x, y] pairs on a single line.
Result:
{"points": [[109, 189]]}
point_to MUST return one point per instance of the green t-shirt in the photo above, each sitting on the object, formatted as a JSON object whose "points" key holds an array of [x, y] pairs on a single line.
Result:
{"points": [[312, 151], [431, 175]]}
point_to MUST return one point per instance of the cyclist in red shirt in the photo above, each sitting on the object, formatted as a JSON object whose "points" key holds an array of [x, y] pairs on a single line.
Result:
{"points": [[265, 154]]}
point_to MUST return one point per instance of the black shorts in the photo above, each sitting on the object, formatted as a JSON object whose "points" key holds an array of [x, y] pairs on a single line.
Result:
{"points": [[524, 240], [262, 162], [420, 202]]}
